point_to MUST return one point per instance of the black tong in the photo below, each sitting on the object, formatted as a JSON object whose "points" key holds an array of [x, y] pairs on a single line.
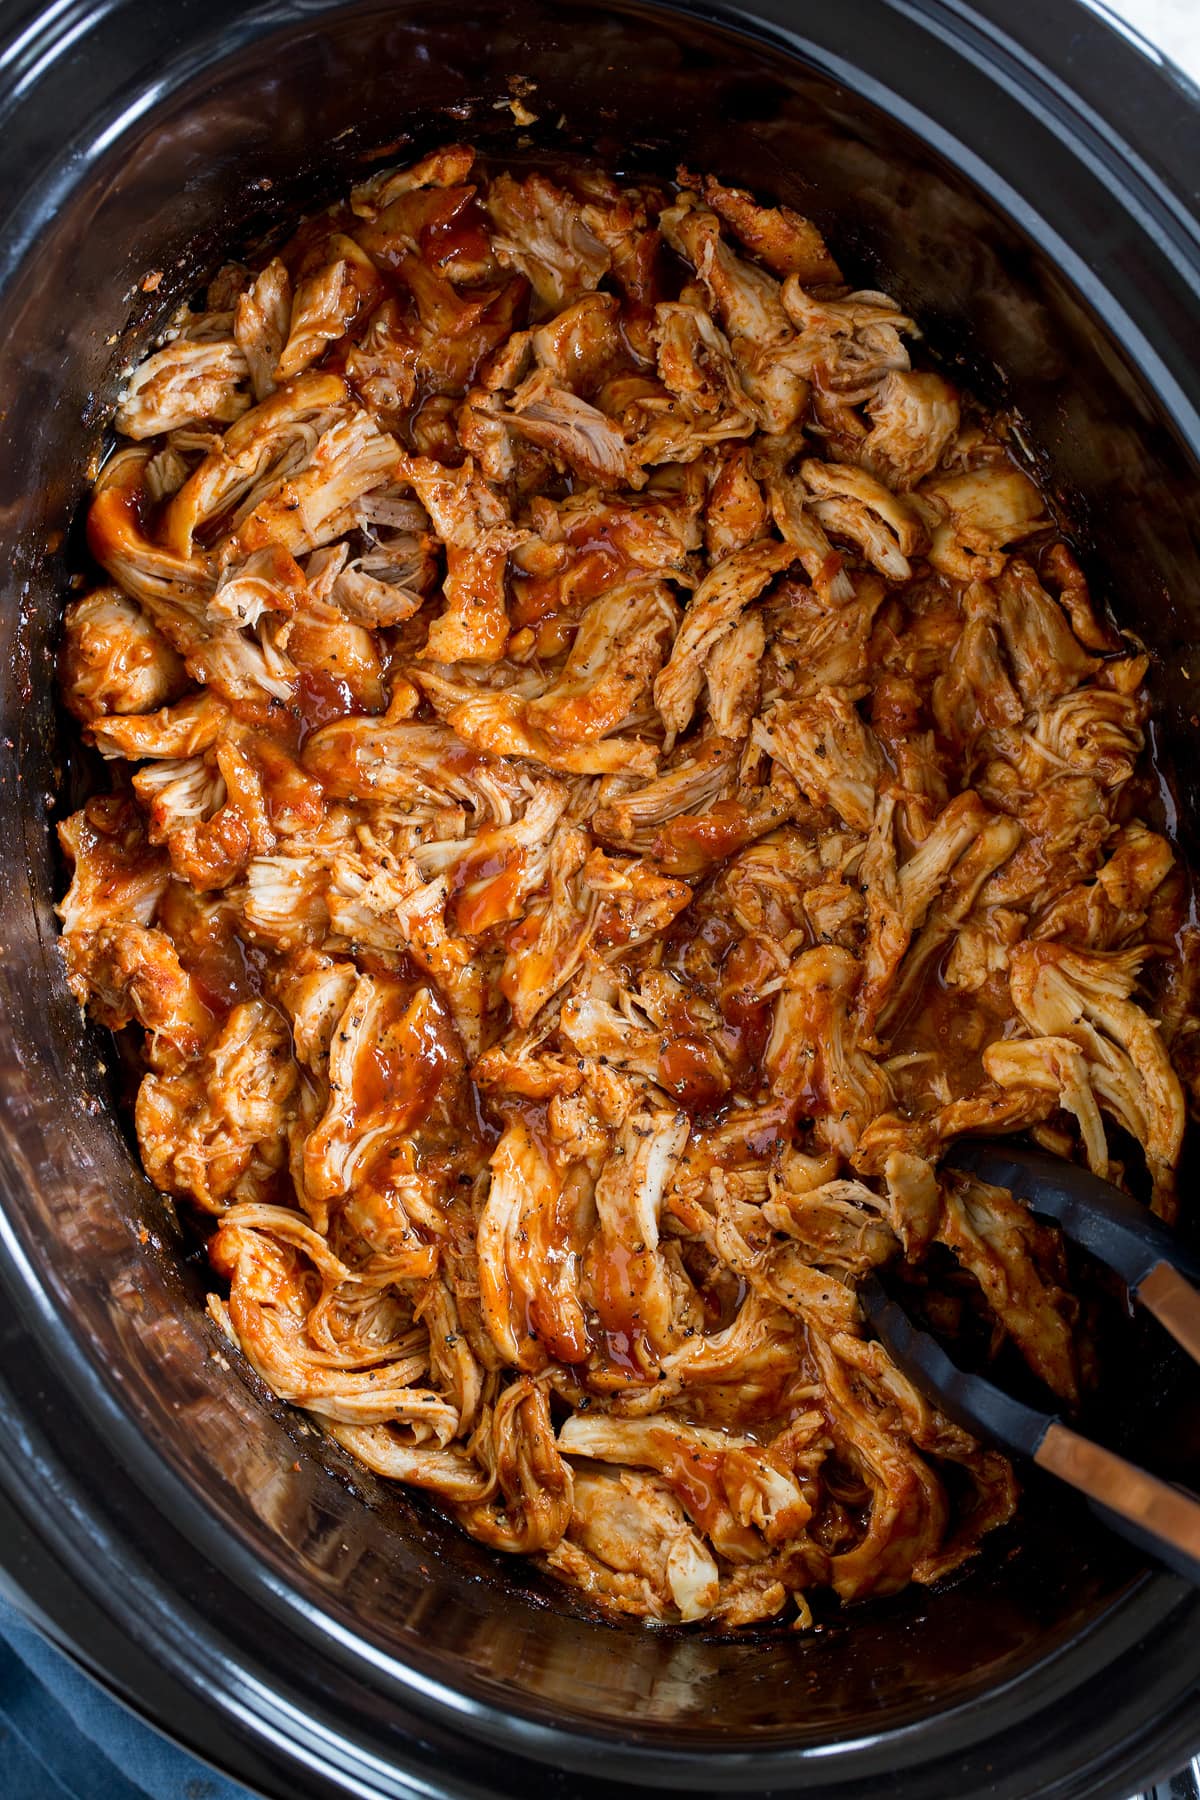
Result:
{"points": [[1158, 1272]]}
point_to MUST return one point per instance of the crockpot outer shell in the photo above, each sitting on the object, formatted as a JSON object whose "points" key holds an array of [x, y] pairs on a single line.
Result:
{"points": [[194, 1543]]}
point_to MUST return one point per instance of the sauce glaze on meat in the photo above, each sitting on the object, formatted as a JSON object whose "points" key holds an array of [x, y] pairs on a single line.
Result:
{"points": [[613, 770]]}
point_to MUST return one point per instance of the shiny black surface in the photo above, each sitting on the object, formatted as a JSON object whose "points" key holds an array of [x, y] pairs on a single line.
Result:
{"points": [[1026, 194]]}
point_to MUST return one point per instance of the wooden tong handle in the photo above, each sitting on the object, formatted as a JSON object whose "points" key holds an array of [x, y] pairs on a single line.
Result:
{"points": [[1150, 1506], [1175, 1304]]}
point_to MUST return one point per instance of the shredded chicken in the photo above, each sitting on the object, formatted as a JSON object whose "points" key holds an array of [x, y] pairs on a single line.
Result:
{"points": [[612, 769]]}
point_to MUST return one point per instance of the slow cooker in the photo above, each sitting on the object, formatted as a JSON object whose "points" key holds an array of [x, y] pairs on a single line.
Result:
{"points": [[1023, 180]]}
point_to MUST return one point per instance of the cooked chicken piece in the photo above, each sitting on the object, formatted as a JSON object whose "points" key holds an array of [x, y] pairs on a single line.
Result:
{"points": [[455, 1479], [899, 897], [350, 1329], [629, 1038], [589, 543], [841, 1225], [272, 442], [496, 721], [474, 624], [548, 945], [976, 692], [814, 644], [268, 581], [532, 1233], [172, 589], [473, 522], [387, 1059], [492, 873], [191, 380], [482, 428], [736, 513], [726, 1374], [792, 512], [442, 168], [695, 363], [780, 1273], [624, 1273], [579, 435], [764, 890], [995, 842], [1018, 1264], [261, 323], [539, 230], [521, 1065], [387, 585], [813, 1055], [669, 819], [716, 607], [618, 650], [269, 1303], [314, 507], [1110, 909], [536, 1489], [852, 504], [113, 660], [630, 1546], [733, 672], [621, 220], [908, 1506], [315, 995], [974, 518], [326, 304], [852, 345], [637, 903], [660, 430], [453, 1366], [982, 947], [1083, 996], [117, 878], [215, 1129], [385, 914], [1090, 732], [132, 972], [581, 346], [1045, 656], [175, 593], [1053, 1065], [914, 1200], [730, 1487], [431, 342], [1069, 585], [823, 744], [592, 1026], [414, 765], [914, 417], [177, 791], [786, 241], [747, 301]]}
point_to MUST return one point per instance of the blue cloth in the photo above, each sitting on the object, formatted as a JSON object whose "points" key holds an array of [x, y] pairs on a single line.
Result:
{"points": [[63, 1738]]}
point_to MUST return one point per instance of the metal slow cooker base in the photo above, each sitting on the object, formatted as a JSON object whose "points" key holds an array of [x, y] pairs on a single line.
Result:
{"points": [[1023, 185]]}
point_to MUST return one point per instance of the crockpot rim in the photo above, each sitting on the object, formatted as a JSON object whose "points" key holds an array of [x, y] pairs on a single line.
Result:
{"points": [[56, 1331]]}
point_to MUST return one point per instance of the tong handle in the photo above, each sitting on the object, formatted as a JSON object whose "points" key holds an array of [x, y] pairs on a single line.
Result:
{"points": [[1175, 1304], [1153, 1514]]}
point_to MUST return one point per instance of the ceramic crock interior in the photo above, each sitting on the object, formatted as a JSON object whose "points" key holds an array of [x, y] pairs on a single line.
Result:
{"points": [[221, 157]]}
